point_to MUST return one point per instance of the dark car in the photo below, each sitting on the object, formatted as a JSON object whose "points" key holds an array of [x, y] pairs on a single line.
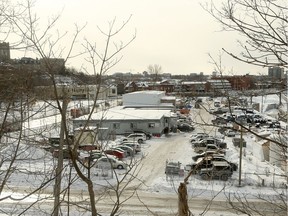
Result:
{"points": [[210, 161], [184, 127], [219, 171], [234, 166], [218, 120], [173, 168]]}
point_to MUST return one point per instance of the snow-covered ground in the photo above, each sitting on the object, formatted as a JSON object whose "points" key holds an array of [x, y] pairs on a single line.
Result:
{"points": [[257, 176]]}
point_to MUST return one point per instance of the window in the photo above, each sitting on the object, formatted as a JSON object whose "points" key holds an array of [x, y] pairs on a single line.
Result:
{"points": [[133, 125], [151, 125], [116, 125], [113, 91]]}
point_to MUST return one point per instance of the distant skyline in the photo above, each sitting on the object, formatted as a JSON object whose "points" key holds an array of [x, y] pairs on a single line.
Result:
{"points": [[177, 35]]}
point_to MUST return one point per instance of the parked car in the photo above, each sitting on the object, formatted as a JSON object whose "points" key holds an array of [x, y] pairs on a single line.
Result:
{"points": [[198, 136], [216, 141], [217, 159], [117, 153], [133, 145], [220, 110], [229, 118], [217, 103], [220, 171], [218, 120], [230, 133], [202, 144], [206, 153], [95, 154], [136, 137], [210, 161], [148, 135], [105, 162], [173, 168], [208, 147], [129, 150], [197, 166], [121, 150], [184, 127]]}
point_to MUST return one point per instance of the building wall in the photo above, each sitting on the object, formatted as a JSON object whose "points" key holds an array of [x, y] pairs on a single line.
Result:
{"points": [[143, 98], [120, 127], [276, 154], [244, 82]]}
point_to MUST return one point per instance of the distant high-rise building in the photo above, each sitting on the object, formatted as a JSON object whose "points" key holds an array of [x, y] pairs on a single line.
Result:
{"points": [[4, 52], [276, 72]]}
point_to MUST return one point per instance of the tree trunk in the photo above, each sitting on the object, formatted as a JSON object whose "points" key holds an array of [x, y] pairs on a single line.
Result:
{"points": [[57, 186], [183, 209]]}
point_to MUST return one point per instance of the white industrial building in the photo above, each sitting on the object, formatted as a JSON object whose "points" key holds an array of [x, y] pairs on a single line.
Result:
{"points": [[149, 99]]}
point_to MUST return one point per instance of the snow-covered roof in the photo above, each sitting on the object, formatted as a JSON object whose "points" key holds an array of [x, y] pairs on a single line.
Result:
{"points": [[150, 92], [128, 114], [193, 83]]}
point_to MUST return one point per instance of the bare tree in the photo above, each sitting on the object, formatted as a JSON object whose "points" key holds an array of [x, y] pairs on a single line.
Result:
{"points": [[106, 60], [48, 48], [263, 25], [155, 71]]}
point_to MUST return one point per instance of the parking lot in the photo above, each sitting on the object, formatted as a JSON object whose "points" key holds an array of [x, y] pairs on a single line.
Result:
{"points": [[176, 147], [159, 190]]}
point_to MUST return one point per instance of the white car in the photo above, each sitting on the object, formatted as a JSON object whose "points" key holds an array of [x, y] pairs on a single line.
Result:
{"points": [[135, 146], [95, 154], [107, 162], [198, 136], [230, 133], [135, 137]]}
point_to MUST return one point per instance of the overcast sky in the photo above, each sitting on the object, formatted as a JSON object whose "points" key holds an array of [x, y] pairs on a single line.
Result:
{"points": [[175, 34]]}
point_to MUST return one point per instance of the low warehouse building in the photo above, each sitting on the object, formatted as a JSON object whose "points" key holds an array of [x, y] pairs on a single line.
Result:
{"points": [[120, 120]]}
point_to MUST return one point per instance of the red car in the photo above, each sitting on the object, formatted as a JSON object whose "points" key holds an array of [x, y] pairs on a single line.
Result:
{"points": [[115, 152]]}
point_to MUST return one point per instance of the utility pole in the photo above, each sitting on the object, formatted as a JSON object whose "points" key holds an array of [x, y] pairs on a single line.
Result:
{"points": [[240, 157]]}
